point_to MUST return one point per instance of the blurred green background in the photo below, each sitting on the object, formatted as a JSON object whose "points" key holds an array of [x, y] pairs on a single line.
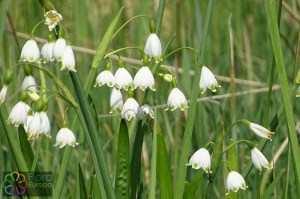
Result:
{"points": [[86, 22]]}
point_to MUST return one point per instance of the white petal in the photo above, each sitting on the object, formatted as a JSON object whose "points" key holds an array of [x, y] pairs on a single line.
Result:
{"points": [[30, 51], [68, 60], [130, 109], [29, 84], [123, 79], [59, 49], [116, 100], [144, 79], [105, 77]]}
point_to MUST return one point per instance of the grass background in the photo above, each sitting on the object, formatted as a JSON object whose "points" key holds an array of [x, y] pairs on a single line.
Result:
{"points": [[86, 23]]}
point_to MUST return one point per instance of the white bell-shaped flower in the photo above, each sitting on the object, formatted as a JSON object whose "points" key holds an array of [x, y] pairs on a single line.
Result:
{"points": [[47, 52], [116, 101], [145, 110], [68, 60], [18, 114], [259, 160], [45, 125], [52, 18], [201, 159], [3, 93], [59, 49], [34, 126], [130, 109], [235, 181], [105, 77], [29, 84], [207, 80], [261, 131], [30, 51], [176, 100], [153, 47], [65, 137], [123, 79], [144, 79]]}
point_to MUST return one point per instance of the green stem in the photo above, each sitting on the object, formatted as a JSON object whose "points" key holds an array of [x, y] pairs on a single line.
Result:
{"points": [[36, 155], [159, 15], [153, 159], [121, 49], [181, 48], [181, 172], [32, 32], [129, 20], [276, 43], [62, 172], [92, 136]]}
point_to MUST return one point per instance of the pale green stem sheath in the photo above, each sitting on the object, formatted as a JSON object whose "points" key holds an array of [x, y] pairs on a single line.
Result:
{"points": [[153, 159], [280, 65], [92, 136], [181, 172]]}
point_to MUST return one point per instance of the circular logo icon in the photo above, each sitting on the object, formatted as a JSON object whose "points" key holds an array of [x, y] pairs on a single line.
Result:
{"points": [[14, 184]]}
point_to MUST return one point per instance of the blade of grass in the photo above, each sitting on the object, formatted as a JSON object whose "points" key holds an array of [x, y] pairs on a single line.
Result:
{"points": [[181, 172], [280, 65], [153, 159], [82, 187], [163, 166], [136, 158], [92, 136], [25, 147], [101, 51], [122, 181]]}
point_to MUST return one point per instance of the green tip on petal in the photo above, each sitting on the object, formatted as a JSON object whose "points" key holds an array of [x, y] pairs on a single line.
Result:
{"points": [[213, 88]]}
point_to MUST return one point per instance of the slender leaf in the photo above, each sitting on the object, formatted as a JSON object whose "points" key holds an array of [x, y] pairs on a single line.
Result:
{"points": [[25, 147], [122, 187], [163, 166]]}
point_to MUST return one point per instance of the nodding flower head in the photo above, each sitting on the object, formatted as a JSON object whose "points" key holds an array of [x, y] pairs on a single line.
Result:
{"points": [[123, 79], [207, 80], [235, 181], [201, 159], [105, 77], [68, 60], [65, 137], [143, 79], [30, 51], [130, 109], [153, 47], [52, 19], [176, 100]]}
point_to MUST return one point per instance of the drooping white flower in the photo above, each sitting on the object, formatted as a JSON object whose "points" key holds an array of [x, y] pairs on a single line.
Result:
{"points": [[201, 159], [18, 114], [123, 79], [45, 124], [68, 60], [52, 19], [3, 94], [259, 160], [153, 47], [30, 51], [261, 131], [145, 110], [116, 101], [29, 84], [65, 136], [47, 52], [59, 49], [105, 77], [176, 100], [130, 109], [33, 127], [144, 79], [207, 80], [235, 181]]}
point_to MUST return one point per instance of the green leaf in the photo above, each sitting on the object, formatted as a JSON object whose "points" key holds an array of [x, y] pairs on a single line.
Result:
{"points": [[284, 84], [101, 51], [217, 155], [122, 188], [136, 158], [25, 147], [163, 166], [191, 187], [272, 186], [232, 158], [83, 192]]}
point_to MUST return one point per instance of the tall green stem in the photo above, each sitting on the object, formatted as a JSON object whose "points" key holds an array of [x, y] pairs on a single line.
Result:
{"points": [[91, 135], [280, 65], [181, 172]]}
